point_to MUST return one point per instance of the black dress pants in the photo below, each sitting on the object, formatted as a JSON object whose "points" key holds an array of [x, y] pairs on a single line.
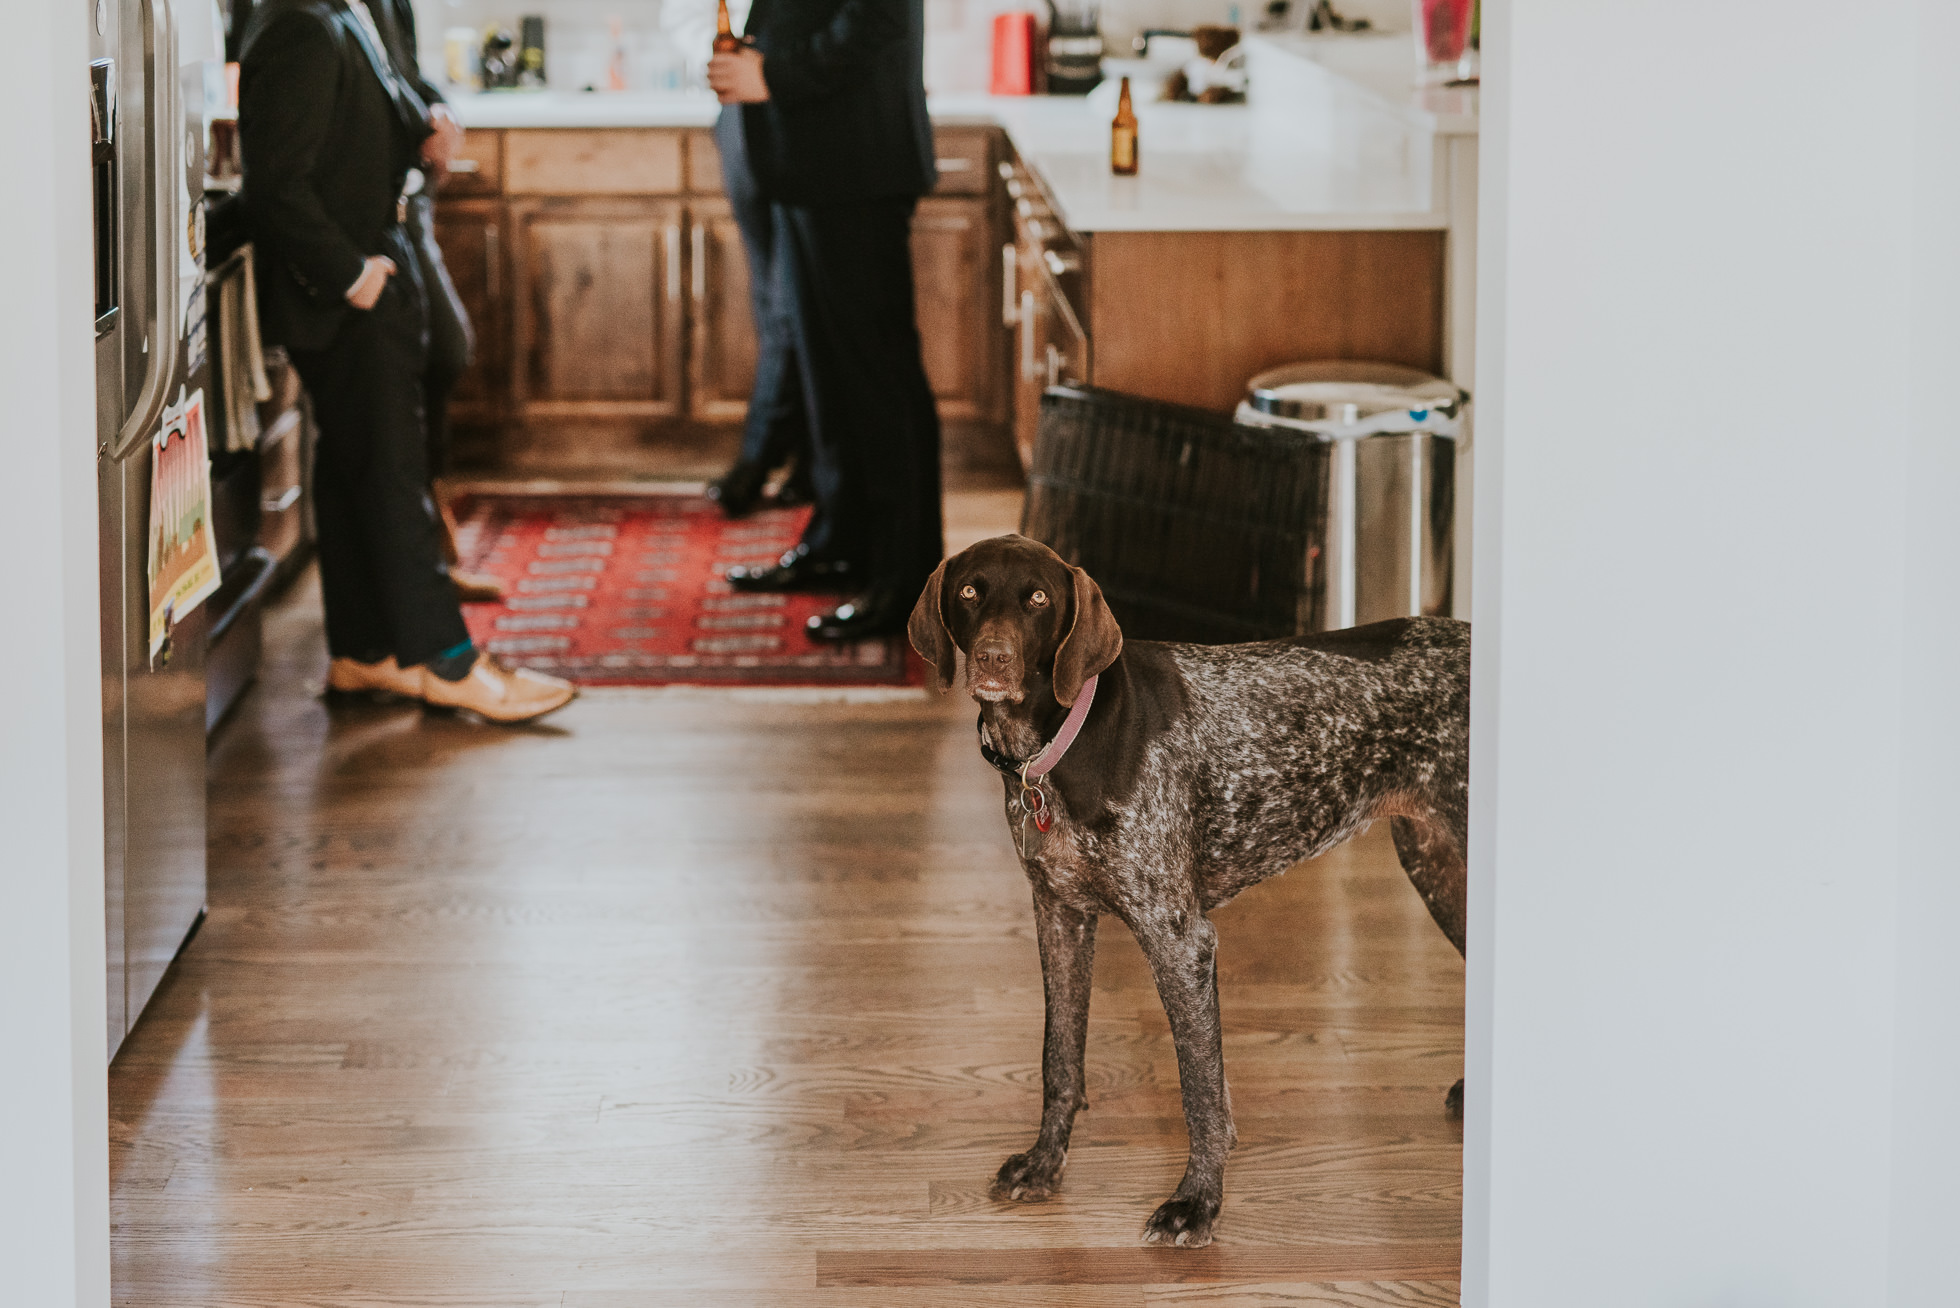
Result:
{"points": [[382, 579], [846, 272], [777, 429]]}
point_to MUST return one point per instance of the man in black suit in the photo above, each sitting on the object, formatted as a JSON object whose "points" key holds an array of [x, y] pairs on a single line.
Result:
{"points": [[329, 130], [835, 129]]}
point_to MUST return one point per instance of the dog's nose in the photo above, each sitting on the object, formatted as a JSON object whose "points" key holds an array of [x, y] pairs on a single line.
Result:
{"points": [[994, 657]]}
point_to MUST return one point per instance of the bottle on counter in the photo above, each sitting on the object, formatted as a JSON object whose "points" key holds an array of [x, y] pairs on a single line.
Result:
{"points": [[1123, 135], [726, 42], [530, 57]]}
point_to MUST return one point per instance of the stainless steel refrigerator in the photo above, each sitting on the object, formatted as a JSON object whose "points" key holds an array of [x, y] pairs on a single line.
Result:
{"points": [[156, 72]]}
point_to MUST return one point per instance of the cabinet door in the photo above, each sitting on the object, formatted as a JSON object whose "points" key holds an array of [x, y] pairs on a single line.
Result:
{"points": [[598, 308], [471, 234], [954, 258], [721, 369]]}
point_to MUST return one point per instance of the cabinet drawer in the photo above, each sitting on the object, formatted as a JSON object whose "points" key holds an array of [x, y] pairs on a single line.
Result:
{"points": [[965, 158], [478, 168], [602, 161]]}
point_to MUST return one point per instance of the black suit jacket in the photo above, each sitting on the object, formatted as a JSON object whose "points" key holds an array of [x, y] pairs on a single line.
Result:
{"points": [[846, 116], [328, 133]]}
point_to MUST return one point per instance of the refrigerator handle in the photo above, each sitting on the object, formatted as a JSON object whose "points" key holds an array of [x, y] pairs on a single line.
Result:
{"points": [[167, 176]]}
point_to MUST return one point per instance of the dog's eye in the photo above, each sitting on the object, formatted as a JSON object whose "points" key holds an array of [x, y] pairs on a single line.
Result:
{"points": [[1038, 599], [968, 593]]}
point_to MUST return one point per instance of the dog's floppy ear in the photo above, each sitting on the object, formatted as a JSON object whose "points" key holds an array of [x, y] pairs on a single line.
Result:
{"points": [[1092, 644], [928, 632]]}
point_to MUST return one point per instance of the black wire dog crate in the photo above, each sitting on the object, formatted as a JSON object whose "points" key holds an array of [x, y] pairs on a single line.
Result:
{"points": [[1197, 528]]}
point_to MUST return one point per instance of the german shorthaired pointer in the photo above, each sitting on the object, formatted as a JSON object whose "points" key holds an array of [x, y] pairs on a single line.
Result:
{"points": [[1199, 770]]}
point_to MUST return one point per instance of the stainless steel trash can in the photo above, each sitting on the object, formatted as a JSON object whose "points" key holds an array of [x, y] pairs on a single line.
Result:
{"points": [[1391, 438]]}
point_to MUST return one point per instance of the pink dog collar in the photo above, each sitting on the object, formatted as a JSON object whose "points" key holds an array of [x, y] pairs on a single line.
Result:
{"points": [[1044, 762]]}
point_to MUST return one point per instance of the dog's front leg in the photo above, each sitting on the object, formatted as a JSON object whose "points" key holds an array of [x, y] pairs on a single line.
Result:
{"points": [[1182, 947], [1068, 960]]}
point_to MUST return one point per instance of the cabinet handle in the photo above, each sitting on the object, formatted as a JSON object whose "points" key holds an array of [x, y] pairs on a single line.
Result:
{"points": [[1009, 296], [493, 263], [674, 261], [700, 262], [465, 166], [1027, 336], [954, 165], [1054, 364], [1060, 264]]}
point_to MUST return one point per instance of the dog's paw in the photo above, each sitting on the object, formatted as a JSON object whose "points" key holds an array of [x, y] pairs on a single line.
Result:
{"points": [[1184, 1221], [1029, 1177], [1453, 1101]]}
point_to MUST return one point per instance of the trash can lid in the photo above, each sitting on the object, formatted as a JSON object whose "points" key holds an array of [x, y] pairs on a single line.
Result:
{"points": [[1345, 398]]}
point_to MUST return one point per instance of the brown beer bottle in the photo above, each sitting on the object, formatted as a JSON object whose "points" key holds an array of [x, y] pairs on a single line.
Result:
{"points": [[726, 42], [1123, 135]]}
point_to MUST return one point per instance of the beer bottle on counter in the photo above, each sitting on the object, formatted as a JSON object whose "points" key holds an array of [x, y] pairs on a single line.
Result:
{"points": [[726, 42], [1123, 135]]}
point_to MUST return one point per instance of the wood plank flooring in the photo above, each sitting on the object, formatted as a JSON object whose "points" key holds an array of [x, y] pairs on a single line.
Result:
{"points": [[706, 997]]}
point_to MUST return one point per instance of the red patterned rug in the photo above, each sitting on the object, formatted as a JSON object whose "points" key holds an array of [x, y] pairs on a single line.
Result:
{"points": [[625, 589]]}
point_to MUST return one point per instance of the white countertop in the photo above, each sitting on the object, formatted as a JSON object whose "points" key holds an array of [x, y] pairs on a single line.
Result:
{"points": [[490, 109], [1217, 168], [1335, 140], [1381, 66]]}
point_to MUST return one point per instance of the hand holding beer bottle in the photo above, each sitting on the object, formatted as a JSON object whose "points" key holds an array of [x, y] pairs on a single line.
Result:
{"points": [[735, 72]]}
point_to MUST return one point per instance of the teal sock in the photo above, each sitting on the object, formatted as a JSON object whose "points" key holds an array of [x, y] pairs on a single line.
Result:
{"points": [[454, 663]]}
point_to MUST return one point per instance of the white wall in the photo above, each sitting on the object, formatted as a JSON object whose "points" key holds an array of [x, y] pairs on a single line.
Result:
{"points": [[1925, 1200], [1713, 1003], [54, 1210]]}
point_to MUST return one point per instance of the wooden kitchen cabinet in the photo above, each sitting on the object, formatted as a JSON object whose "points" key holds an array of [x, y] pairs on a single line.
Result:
{"points": [[598, 309], [471, 234], [722, 340], [955, 250], [609, 288]]}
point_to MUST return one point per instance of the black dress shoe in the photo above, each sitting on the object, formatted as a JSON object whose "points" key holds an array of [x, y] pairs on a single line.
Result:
{"points": [[739, 490], [880, 613], [796, 570], [795, 493]]}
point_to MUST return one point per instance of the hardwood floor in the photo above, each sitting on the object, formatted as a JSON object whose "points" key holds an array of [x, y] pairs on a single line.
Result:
{"points": [[705, 997]]}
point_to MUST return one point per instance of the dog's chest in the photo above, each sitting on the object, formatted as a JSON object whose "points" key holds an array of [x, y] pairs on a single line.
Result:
{"points": [[1057, 860]]}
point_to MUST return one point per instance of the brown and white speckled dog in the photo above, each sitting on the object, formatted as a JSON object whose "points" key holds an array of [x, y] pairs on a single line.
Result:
{"points": [[1199, 770]]}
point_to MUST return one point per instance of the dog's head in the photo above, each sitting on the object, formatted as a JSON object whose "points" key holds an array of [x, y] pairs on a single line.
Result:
{"points": [[1026, 620]]}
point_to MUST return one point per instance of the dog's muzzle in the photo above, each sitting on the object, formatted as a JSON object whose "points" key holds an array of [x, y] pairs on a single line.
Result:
{"points": [[993, 673]]}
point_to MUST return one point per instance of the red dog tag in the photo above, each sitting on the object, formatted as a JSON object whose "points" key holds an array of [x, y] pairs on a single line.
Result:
{"points": [[1036, 805]]}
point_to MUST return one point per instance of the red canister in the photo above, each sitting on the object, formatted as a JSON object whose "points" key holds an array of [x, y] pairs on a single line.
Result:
{"points": [[1013, 54]]}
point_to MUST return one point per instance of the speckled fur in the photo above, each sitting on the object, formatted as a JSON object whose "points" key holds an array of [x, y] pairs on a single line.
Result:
{"points": [[1200, 771]]}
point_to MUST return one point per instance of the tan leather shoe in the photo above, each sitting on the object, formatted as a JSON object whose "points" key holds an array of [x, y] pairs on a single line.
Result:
{"points": [[498, 693], [476, 587], [351, 677]]}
